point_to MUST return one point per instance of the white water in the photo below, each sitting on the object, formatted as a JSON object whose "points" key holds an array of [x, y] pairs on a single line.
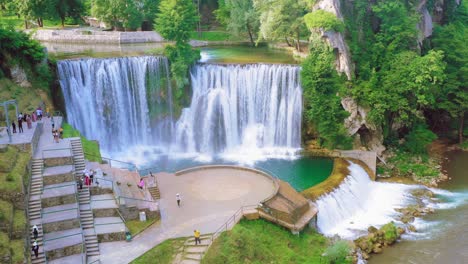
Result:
{"points": [[359, 203], [111, 100], [236, 111]]}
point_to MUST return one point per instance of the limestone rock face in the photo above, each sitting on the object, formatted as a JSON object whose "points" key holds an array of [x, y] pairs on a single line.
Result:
{"points": [[336, 39], [370, 135], [19, 76]]}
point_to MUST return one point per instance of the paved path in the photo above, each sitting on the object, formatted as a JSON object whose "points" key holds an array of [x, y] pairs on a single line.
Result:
{"points": [[46, 140], [209, 199], [18, 138]]}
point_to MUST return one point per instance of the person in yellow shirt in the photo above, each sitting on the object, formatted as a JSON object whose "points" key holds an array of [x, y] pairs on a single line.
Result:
{"points": [[196, 234]]}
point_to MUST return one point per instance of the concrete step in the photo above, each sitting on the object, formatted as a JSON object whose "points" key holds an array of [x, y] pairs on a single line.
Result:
{"points": [[196, 250], [189, 261], [192, 256]]}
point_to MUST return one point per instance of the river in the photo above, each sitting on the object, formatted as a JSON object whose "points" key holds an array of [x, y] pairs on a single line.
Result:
{"points": [[445, 238]]}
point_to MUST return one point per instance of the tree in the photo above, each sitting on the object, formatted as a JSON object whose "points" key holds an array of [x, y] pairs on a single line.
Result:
{"points": [[321, 85], [65, 8], [282, 19], [324, 20], [119, 13], [174, 22], [451, 39], [176, 19], [240, 17]]}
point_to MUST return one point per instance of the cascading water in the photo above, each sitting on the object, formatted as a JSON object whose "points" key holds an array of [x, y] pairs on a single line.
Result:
{"points": [[359, 203], [235, 109], [120, 102]]}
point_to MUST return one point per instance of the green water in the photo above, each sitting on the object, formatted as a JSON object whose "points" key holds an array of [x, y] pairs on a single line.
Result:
{"points": [[301, 173], [243, 55]]}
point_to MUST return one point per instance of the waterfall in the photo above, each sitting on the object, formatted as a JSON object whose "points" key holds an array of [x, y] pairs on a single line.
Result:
{"points": [[237, 108], [234, 110], [359, 203], [120, 102]]}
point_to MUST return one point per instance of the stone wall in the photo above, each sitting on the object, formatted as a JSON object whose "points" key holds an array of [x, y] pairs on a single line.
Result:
{"points": [[58, 200], [63, 252], [58, 178], [105, 212], [95, 36], [61, 225], [109, 237], [58, 161]]}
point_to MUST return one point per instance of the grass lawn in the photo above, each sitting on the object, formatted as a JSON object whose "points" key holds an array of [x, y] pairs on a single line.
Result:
{"points": [[17, 249], [214, 36], [18, 23], [7, 159], [163, 253], [6, 211], [90, 147], [262, 242], [136, 226], [12, 181], [19, 220]]}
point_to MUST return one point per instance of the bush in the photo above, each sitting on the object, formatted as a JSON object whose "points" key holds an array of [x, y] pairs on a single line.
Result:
{"points": [[338, 252], [418, 139], [324, 20], [390, 232]]}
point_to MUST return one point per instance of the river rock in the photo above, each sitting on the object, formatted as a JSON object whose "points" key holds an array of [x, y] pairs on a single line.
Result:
{"points": [[412, 228], [377, 248]]}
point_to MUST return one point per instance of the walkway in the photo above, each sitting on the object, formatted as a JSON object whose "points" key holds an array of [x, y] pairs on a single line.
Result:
{"points": [[209, 199]]}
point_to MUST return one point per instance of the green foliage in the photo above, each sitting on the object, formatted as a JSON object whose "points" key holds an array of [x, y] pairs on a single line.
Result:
{"points": [[213, 36], [260, 241], [7, 159], [321, 19], [123, 13], [6, 212], [338, 252], [281, 19], [164, 253], [136, 226], [176, 19], [12, 181], [240, 17], [90, 147], [390, 232], [418, 139], [421, 166], [321, 85]]}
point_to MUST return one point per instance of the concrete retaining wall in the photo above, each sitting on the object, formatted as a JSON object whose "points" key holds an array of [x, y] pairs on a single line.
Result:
{"points": [[58, 161], [61, 225], [58, 200], [63, 252], [58, 178], [88, 36], [109, 237]]}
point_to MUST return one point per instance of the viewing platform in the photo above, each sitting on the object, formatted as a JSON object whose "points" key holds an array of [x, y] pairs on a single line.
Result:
{"points": [[58, 194], [109, 229], [60, 217], [58, 174]]}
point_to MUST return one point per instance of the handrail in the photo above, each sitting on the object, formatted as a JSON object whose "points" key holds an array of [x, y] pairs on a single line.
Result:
{"points": [[100, 178], [57, 149], [116, 223], [109, 161]]}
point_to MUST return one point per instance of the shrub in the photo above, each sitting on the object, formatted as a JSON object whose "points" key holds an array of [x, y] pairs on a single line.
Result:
{"points": [[418, 139], [324, 20], [338, 252]]}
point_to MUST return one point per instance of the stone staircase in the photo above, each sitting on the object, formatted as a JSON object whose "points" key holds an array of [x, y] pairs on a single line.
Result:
{"points": [[87, 223], [78, 156], [191, 253], [154, 191], [35, 208]]}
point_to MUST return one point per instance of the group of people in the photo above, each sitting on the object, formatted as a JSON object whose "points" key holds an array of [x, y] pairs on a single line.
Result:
{"points": [[35, 245], [28, 119], [87, 178]]}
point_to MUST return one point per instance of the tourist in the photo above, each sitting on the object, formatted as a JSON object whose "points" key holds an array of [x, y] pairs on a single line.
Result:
{"points": [[20, 124], [91, 176], [61, 132], [20, 116], [39, 113], [29, 121], [80, 183], [35, 231], [35, 248], [87, 180], [13, 125], [178, 199], [196, 234], [141, 184], [56, 136], [34, 116]]}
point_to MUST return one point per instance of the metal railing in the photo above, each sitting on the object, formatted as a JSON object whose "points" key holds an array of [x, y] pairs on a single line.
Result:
{"points": [[62, 210], [57, 187], [127, 165]]}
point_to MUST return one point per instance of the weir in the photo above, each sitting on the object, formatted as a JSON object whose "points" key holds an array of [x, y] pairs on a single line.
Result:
{"points": [[126, 102]]}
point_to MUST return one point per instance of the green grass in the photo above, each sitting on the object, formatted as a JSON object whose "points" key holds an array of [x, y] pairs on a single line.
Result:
{"points": [[7, 159], [19, 220], [163, 253], [17, 248], [18, 23], [214, 36], [136, 226], [263, 242], [28, 99], [12, 181], [91, 148], [4, 244], [6, 211]]}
